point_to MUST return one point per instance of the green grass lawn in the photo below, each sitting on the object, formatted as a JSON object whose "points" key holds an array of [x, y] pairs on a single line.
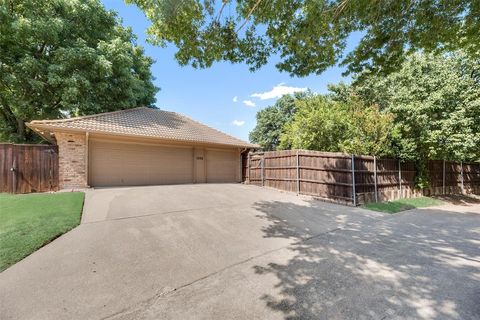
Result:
{"points": [[403, 204], [28, 222]]}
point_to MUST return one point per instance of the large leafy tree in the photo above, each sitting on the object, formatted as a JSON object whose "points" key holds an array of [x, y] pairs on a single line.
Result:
{"points": [[272, 120], [436, 104], [322, 123], [311, 35], [66, 57]]}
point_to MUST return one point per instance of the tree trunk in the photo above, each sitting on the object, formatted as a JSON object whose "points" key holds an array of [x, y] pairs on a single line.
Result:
{"points": [[21, 130], [12, 128]]}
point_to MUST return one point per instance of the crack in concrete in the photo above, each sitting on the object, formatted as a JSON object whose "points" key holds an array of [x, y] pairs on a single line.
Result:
{"points": [[164, 292], [147, 214], [302, 240]]}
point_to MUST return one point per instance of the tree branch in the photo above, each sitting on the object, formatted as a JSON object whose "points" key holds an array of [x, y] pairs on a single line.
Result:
{"points": [[38, 53], [340, 9], [7, 86], [249, 14], [56, 105], [221, 10], [8, 115]]}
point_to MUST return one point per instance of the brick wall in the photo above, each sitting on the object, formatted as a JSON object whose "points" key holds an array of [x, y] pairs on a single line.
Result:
{"points": [[72, 155]]}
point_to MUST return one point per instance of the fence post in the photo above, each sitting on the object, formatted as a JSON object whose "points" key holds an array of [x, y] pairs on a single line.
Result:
{"points": [[461, 177], [14, 173], [50, 175], [443, 180], [298, 174], [262, 163], [400, 178], [375, 177], [248, 168], [354, 194]]}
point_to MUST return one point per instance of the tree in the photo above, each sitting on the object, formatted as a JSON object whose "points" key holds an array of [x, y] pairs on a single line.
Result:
{"points": [[271, 121], [60, 58], [311, 35], [436, 104], [321, 123]]}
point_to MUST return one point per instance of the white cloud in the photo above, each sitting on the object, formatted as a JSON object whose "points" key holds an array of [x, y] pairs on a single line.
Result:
{"points": [[235, 99], [277, 91], [238, 123], [249, 103]]}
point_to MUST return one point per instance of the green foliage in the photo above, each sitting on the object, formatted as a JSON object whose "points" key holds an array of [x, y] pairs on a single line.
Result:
{"points": [[66, 57], [271, 121], [436, 104], [369, 131], [28, 222], [311, 35], [321, 123]]}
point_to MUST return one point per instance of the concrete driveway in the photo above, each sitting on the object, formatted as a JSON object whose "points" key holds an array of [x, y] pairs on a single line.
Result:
{"points": [[232, 251]]}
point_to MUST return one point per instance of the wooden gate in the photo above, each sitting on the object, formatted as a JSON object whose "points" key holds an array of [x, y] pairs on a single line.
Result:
{"points": [[26, 168]]}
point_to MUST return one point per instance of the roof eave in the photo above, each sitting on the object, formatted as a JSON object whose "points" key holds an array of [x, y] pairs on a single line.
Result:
{"points": [[41, 128], [45, 133]]}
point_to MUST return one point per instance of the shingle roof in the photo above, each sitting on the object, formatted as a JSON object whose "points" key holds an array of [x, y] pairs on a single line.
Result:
{"points": [[144, 122]]}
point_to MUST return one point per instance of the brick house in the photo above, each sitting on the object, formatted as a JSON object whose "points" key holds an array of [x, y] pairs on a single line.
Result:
{"points": [[141, 146]]}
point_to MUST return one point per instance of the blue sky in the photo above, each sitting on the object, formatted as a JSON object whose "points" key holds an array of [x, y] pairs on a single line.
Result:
{"points": [[207, 95]]}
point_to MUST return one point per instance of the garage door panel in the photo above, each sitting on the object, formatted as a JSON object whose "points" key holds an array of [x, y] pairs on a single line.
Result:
{"points": [[117, 164], [222, 166]]}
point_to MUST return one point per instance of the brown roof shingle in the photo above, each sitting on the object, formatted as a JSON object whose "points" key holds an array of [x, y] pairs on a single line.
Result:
{"points": [[144, 122]]}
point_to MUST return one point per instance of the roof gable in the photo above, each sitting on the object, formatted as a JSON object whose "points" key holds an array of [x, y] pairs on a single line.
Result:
{"points": [[143, 122]]}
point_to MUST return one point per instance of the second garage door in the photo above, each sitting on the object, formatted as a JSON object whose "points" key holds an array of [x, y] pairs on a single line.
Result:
{"points": [[129, 164], [222, 166]]}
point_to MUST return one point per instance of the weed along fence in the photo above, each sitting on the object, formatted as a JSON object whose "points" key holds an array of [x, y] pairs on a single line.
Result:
{"points": [[354, 180], [28, 168]]}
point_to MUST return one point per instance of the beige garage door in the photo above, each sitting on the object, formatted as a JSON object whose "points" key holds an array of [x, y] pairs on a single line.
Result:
{"points": [[222, 166], [130, 164]]}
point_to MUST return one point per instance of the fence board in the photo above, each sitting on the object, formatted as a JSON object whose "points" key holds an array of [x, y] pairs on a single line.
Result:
{"points": [[35, 168], [329, 175]]}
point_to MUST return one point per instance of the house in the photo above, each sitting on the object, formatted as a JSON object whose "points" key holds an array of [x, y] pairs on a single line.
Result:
{"points": [[141, 146]]}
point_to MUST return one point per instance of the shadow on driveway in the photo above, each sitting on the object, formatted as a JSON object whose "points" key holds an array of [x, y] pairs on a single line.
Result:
{"points": [[422, 264]]}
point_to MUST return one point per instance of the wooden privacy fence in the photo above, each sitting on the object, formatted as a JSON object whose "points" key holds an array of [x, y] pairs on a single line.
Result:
{"points": [[28, 168], [353, 179]]}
